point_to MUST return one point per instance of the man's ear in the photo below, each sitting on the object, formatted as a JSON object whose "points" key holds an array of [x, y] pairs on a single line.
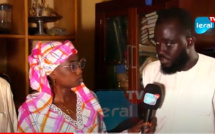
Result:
{"points": [[191, 41]]}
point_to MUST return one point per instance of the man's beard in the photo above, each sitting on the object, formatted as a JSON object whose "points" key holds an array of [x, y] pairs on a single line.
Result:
{"points": [[177, 65]]}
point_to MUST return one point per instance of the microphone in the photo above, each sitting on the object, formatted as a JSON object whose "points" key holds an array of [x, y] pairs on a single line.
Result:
{"points": [[153, 96]]}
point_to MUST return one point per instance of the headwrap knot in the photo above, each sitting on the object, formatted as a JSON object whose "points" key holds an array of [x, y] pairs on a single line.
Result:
{"points": [[44, 59]]}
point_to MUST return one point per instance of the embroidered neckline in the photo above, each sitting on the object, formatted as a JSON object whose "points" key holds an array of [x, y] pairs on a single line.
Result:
{"points": [[78, 122]]}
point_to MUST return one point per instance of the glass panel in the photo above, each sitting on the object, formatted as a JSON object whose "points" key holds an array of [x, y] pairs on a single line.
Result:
{"points": [[119, 111], [116, 53], [147, 43]]}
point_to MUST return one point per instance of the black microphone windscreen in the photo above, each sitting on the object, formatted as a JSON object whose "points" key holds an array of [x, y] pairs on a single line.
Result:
{"points": [[153, 96]]}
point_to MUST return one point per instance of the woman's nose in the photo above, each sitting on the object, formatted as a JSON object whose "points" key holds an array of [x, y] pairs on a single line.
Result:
{"points": [[79, 70]]}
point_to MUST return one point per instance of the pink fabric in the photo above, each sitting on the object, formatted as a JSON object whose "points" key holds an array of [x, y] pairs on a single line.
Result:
{"points": [[44, 59], [35, 114]]}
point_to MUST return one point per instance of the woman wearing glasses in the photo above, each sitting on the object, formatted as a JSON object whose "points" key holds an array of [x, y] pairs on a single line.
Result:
{"points": [[63, 103]]}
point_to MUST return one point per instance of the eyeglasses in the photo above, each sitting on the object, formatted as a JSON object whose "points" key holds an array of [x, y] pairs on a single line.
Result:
{"points": [[75, 65]]}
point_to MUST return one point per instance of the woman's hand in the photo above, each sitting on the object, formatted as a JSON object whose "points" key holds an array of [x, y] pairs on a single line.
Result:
{"points": [[150, 126]]}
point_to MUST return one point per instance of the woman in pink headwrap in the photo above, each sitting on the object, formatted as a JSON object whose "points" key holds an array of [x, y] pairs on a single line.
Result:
{"points": [[62, 102]]}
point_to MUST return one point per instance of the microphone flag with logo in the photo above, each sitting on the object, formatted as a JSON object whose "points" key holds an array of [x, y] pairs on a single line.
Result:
{"points": [[152, 100]]}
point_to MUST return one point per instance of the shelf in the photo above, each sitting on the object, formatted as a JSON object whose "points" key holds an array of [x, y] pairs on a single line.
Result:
{"points": [[50, 37], [12, 36], [44, 37], [16, 47], [150, 49]]}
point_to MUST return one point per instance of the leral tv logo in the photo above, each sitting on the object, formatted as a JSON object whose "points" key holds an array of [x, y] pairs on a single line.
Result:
{"points": [[151, 99], [204, 25]]}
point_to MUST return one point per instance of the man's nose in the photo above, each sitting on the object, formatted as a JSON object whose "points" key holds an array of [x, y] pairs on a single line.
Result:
{"points": [[161, 48]]}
